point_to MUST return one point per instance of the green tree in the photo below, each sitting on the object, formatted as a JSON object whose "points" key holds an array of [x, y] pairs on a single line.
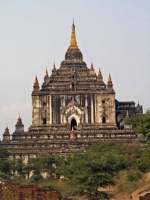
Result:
{"points": [[19, 166], [91, 170], [4, 161], [3, 153], [141, 123], [43, 163], [143, 163]]}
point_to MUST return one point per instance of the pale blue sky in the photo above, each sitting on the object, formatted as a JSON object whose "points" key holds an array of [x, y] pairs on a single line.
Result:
{"points": [[113, 34]]}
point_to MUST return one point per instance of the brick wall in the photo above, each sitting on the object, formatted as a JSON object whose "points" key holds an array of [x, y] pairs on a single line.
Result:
{"points": [[15, 191]]}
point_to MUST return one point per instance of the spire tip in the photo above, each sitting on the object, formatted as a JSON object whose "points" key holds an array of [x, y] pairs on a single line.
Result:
{"points": [[73, 42], [46, 74], [109, 79]]}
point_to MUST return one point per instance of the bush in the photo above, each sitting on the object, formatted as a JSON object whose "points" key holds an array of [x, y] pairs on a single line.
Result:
{"points": [[50, 187], [36, 177], [22, 180], [4, 176], [134, 175]]}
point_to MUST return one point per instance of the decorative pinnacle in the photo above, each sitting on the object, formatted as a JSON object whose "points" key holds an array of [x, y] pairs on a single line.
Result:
{"points": [[109, 79], [99, 72], [46, 74], [92, 68], [6, 129], [73, 42], [36, 80], [54, 67]]}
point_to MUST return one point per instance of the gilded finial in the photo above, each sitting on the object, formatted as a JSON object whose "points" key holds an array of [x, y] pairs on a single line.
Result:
{"points": [[92, 68], [109, 79], [54, 67], [36, 80], [99, 72], [73, 42], [46, 74]]}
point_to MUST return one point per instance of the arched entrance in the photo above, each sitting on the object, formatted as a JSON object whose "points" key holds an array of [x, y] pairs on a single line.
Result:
{"points": [[73, 124]]}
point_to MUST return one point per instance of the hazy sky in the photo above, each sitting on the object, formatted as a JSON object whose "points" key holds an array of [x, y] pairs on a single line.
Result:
{"points": [[113, 34]]}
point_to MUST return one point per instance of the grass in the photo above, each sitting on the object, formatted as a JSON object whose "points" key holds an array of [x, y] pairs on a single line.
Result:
{"points": [[60, 186], [125, 182]]}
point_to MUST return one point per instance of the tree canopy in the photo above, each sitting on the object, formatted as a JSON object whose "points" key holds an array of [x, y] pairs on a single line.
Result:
{"points": [[4, 161], [141, 123], [86, 172]]}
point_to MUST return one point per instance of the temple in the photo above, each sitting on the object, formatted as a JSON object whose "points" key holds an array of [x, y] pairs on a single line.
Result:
{"points": [[71, 110]]}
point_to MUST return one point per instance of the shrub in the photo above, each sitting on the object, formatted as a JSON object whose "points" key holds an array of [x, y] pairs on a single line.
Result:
{"points": [[36, 177], [134, 175], [4, 176]]}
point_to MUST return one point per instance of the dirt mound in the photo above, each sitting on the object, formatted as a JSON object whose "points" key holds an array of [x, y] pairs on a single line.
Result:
{"points": [[143, 187]]}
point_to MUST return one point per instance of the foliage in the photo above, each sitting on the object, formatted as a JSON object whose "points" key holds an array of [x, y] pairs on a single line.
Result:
{"points": [[4, 161], [21, 180], [43, 163], [36, 177], [96, 168], [141, 123], [4, 176], [19, 166], [3, 153], [134, 175], [84, 172], [143, 163], [127, 180]]}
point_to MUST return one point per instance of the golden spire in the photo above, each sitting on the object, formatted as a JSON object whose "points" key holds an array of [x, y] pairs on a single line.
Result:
{"points": [[73, 42], [54, 67], [36, 80], [109, 79], [99, 72], [46, 74], [92, 68]]}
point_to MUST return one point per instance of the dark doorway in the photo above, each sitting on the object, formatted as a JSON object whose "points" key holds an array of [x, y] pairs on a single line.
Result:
{"points": [[103, 120], [73, 124], [44, 121], [72, 86], [103, 102]]}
